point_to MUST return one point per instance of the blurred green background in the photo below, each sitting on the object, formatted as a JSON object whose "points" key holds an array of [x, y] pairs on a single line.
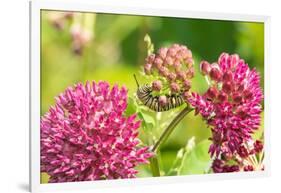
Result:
{"points": [[116, 51]]}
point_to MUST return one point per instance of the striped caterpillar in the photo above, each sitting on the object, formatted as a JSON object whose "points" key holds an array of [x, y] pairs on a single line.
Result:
{"points": [[144, 94]]}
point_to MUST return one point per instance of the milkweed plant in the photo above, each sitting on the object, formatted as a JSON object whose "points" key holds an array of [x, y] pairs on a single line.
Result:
{"points": [[89, 133]]}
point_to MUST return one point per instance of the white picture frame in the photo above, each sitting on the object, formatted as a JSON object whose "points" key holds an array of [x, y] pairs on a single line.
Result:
{"points": [[37, 6]]}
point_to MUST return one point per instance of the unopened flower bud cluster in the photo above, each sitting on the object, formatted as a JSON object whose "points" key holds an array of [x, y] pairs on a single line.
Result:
{"points": [[225, 84], [173, 67]]}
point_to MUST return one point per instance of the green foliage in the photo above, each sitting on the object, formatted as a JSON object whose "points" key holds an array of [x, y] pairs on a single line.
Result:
{"points": [[197, 160], [178, 162], [149, 121], [150, 46], [154, 166], [44, 178]]}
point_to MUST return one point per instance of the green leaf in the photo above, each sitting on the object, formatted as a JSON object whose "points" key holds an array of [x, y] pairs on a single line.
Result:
{"points": [[44, 178], [148, 120], [180, 155], [196, 161], [150, 46], [131, 107], [190, 145], [144, 170]]}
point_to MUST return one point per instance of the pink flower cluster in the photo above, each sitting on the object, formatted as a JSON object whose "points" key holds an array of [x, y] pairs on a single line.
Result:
{"points": [[173, 66], [231, 107], [59, 19], [80, 33], [80, 38], [85, 135]]}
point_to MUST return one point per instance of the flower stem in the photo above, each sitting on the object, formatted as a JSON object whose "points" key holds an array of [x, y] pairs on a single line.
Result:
{"points": [[154, 166], [171, 127]]}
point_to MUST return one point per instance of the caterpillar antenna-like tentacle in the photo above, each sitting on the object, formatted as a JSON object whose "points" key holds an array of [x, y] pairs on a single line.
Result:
{"points": [[136, 80]]}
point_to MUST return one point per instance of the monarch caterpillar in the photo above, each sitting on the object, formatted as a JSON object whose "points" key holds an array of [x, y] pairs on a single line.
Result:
{"points": [[144, 94]]}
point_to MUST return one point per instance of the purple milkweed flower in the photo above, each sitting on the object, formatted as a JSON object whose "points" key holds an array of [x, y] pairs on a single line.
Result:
{"points": [[231, 107], [86, 136]]}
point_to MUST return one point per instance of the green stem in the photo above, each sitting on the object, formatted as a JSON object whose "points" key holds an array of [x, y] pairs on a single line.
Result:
{"points": [[171, 127], [154, 166]]}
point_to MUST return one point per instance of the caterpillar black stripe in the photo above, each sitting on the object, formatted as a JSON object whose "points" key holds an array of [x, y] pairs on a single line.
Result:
{"points": [[144, 94]]}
